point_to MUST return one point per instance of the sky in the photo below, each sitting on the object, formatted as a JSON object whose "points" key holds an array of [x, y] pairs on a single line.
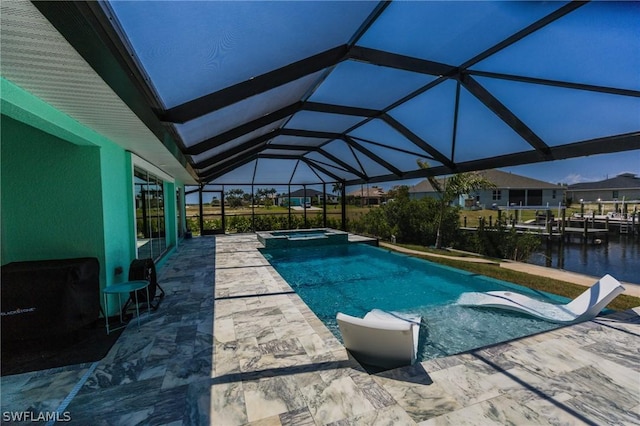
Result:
{"points": [[582, 169]]}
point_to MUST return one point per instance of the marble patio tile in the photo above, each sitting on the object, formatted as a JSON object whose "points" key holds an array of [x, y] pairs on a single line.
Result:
{"points": [[40, 406], [551, 358], [225, 359], [276, 300], [30, 391], [285, 301], [205, 325], [266, 335], [226, 308], [335, 370], [603, 411], [271, 396], [150, 372], [555, 410], [203, 343], [244, 329], [496, 411], [186, 334], [376, 394], [416, 393], [319, 326], [621, 375], [91, 404], [494, 357], [161, 351], [257, 311], [299, 417], [246, 348], [592, 384], [184, 371], [331, 342], [337, 400], [191, 320], [303, 376], [388, 416], [281, 348], [114, 374], [224, 330], [271, 362], [292, 329], [525, 388], [341, 354], [532, 340], [213, 403], [464, 384], [436, 364], [129, 346], [133, 418], [291, 313], [269, 421], [155, 321], [184, 307], [51, 387], [314, 345], [627, 353], [171, 406]]}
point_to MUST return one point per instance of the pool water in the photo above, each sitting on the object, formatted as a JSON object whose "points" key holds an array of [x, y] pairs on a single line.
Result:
{"points": [[355, 278]]}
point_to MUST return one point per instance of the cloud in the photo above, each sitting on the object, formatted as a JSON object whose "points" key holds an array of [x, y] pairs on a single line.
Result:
{"points": [[575, 178]]}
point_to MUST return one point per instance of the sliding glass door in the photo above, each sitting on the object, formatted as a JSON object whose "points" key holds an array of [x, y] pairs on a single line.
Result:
{"points": [[150, 215]]}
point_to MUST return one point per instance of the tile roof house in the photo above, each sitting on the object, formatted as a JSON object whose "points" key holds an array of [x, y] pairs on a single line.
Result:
{"points": [[510, 189], [369, 195], [623, 186]]}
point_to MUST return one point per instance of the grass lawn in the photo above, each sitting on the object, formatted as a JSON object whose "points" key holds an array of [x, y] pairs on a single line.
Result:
{"points": [[549, 285]]}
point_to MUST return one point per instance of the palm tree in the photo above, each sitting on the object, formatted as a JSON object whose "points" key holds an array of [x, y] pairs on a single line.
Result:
{"points": [[452, 188], [337, 189]]}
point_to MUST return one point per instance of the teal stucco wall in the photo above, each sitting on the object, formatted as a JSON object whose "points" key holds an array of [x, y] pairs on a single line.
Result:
{"points": [[51, 196], [66, 191]]}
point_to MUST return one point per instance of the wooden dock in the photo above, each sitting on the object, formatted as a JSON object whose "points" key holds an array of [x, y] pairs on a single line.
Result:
{"points": [[592, 227]]}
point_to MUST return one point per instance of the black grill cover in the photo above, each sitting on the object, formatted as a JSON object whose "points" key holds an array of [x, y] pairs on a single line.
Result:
{"points": [[49, 297]]}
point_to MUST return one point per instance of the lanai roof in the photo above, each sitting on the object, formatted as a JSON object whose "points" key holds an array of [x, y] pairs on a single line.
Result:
{"points": [[311, 92]]}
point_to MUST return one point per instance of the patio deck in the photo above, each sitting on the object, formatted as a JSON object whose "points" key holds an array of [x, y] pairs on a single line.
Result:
{"points": [[232, 344]]}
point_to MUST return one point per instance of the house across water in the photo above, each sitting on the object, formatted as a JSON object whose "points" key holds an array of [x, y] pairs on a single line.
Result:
{"points": [[510, 190]]}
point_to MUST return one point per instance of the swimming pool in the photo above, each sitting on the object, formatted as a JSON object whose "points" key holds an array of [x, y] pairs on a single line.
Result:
{"points": [[356, 278]]}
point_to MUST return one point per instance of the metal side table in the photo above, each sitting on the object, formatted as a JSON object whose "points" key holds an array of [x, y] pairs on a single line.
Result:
{"points": [[124, 288]]}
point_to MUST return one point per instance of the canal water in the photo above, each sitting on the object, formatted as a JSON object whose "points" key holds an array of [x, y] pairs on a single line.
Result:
{"points": [[619, 256]]}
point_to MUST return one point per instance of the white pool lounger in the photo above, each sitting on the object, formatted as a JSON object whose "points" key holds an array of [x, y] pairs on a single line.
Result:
{"points": [[582, 308], [381, 339]]}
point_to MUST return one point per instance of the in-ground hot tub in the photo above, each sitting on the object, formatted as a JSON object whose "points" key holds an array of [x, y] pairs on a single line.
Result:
{"points": [[302, 238]]}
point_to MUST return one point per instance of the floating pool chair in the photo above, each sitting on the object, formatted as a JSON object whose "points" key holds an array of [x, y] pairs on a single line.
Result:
{"points": [[582, 308], [381, 339]]}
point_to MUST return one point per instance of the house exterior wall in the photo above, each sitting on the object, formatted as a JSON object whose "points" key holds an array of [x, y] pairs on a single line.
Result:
{"points": [[604, 195], [485, 198], [66, 191], [51, 197], [295, 201]]}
